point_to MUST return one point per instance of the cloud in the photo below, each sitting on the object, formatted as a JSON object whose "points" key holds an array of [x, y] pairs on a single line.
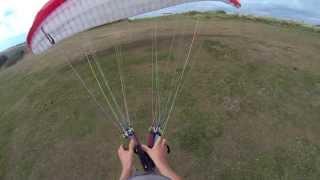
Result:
{"points": [[16, 17], [8, 12], [311, 6], [299, 10]]}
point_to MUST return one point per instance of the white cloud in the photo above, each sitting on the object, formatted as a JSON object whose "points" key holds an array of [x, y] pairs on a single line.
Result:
{"points": [[302, 5], [21, 18], [306, 11]]}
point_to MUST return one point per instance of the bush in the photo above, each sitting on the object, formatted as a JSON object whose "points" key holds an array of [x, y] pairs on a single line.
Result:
{"points": [[3, 60], [192, 13], [221, 12]]}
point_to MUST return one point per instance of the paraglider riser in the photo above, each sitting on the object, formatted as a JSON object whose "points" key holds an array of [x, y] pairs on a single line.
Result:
{"points": [[153, 135], [145, 160]]}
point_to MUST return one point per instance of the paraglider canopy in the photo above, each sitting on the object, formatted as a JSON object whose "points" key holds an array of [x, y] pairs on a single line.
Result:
{"points": [[59, 19]]}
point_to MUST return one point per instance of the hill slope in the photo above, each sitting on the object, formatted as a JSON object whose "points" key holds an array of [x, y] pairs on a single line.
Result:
{"points": [[12, 55], [249, 108]]}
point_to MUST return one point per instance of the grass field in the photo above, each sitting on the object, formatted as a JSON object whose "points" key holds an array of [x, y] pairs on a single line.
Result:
{"points": [[249, 107]]}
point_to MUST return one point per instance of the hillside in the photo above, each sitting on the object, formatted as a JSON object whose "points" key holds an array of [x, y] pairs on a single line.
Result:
{"points": [[249, 107], [12, 55]]}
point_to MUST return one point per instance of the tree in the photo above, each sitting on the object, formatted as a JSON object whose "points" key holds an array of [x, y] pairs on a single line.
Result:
{"points": [[3, 59]]}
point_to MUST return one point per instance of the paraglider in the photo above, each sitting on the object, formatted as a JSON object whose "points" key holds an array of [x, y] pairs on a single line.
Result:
{"points": [[60, 19]]}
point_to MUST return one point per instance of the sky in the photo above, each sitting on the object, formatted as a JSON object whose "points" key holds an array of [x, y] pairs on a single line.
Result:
{"points": [[16, 16]]}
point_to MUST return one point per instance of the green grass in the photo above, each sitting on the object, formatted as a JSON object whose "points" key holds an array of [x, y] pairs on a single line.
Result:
{"points": [[298, 162], [249, 107]]}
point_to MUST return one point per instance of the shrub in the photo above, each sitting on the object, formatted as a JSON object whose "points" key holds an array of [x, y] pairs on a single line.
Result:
{"points": [[3, 59]]}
